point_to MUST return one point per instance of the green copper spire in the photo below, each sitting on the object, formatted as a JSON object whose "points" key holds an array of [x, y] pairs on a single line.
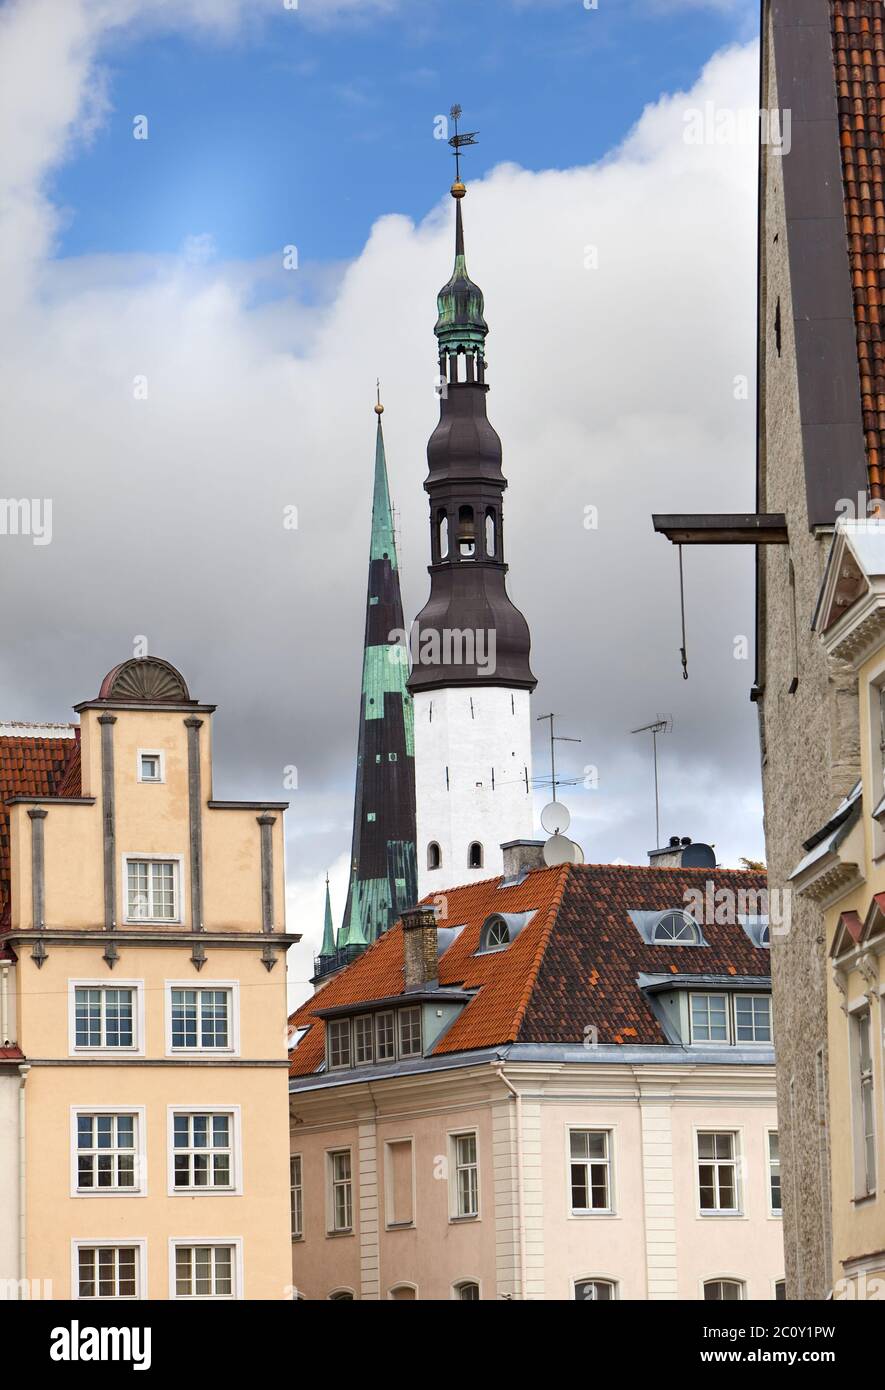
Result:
{"points": [[328, 946], [460, 326], [385, 878], [351, 933], [383, 543]]}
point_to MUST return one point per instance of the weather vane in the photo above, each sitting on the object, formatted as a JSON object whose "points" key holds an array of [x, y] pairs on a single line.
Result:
{"points": [[457, 141]]}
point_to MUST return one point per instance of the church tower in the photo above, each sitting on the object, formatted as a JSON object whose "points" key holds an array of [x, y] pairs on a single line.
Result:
{"points": [[471, 679], [383, 878]]}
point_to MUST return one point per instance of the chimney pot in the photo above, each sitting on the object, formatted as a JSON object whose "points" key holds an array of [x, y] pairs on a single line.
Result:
{"points": [[521, 856], [420, 969]]}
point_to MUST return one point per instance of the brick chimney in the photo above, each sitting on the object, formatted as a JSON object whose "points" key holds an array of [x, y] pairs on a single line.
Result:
{"points": [[521, 856], [419, 948]]}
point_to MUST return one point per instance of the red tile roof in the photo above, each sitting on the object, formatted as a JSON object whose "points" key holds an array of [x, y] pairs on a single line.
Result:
{"points": [[858, 33], [33, 766], [572, 967]]}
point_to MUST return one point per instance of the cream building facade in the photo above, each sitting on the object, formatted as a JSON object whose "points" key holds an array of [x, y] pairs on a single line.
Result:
{"points": [[145, 920], [541, 1094]]}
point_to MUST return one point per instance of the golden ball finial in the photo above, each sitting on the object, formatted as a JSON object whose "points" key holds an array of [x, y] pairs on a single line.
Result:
{"points": [[379, 408], [458, 190]]}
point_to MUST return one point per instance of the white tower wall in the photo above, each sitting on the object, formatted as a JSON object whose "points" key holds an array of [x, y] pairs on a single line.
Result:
{"points": [[473, 778]]}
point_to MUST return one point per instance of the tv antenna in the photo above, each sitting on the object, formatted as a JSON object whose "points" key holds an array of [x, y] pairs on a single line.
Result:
{"points": [[663, 724], [460, 139]]}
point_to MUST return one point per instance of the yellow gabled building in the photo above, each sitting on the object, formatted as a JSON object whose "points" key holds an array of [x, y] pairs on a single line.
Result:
{"points": [[142, 926]]}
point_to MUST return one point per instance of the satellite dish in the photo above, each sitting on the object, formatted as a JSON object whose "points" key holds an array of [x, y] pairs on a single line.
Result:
{"points": [[555, 818], [578, 853], [558, 850]]}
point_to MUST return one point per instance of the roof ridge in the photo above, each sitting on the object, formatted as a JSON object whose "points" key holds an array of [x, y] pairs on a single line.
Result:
{"points": [[532, 976]]}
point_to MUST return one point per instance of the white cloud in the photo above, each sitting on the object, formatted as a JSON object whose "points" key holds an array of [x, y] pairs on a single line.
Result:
{"points": [[611, 388]]}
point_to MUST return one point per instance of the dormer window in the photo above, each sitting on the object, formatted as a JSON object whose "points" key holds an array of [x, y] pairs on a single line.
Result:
{"points": [[496, 935], [676, 927]]}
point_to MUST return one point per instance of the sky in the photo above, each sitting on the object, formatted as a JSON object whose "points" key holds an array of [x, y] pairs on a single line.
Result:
{"points": [[220, 221]]}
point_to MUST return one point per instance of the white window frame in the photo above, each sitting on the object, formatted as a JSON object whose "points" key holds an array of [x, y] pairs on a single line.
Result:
{"points": [[137, 1049], [388, 1183], [331, 1228], [151, 753], [236, 1151], [596, 1279], [741, 1285], [753, 1042], [728, 1213], [391, 1014], [233, 1031], [140, 1187], [582, 1213], [709, 994], [299, 1188], [95, 1242], [177, 862], [365, 1019], [776, 1212], [346, 1022], [236, 1264], [400, 1014], [467, 1281], [864, 1188], [456, 1216]]}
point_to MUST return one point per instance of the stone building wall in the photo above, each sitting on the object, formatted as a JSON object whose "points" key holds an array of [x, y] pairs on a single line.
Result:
{"points": [[810, 751]]}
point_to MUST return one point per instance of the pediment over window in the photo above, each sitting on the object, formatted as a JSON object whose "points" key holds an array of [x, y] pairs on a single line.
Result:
{"points": [[147, 680], [850, 614]]}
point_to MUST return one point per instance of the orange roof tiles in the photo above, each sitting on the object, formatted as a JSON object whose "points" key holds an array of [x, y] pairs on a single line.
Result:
{"points": [[32, 766], [858, 31], [573, 966]]}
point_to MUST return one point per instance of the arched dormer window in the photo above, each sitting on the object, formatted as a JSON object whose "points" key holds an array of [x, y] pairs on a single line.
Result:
{"points": [[495, 936], [474, 855], [434, 855], [676, 927]]}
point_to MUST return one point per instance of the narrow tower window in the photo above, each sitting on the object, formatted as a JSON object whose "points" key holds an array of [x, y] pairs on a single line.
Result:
{"points": [[434, 855], [466, 533], [491, 542], [474, 855], [442, 523]]}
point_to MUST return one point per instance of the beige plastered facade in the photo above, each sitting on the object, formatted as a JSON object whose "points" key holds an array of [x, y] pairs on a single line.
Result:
{"points": [[84, 936], [526, 1241]]}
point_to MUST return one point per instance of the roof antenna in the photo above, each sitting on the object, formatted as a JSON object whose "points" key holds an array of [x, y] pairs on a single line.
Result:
{"points": [[555, 817], [662, 725]]}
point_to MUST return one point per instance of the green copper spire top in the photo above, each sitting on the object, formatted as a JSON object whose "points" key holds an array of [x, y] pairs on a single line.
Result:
{"points": [[383, 543], [328, 946], [352, 933], [460, 326]]}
